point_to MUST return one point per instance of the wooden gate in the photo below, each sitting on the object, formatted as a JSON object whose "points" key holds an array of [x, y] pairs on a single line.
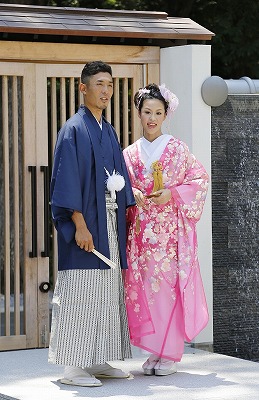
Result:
{"points": [[36, 99]]}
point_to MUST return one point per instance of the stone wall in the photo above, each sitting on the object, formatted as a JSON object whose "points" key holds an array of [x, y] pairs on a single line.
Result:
{"points": [[235, 214]]}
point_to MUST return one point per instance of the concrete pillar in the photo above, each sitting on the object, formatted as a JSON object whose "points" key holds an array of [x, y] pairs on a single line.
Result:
{"points": [[183, 69]]}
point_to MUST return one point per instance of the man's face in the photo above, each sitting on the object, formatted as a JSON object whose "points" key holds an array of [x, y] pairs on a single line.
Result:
{"points": [[98, 91]]}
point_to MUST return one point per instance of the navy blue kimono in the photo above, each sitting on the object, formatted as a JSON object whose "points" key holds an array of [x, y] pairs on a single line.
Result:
{"points": [[78, 183]]}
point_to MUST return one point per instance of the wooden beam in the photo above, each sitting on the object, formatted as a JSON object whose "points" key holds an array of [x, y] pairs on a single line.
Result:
{"points": [[77, 53]]}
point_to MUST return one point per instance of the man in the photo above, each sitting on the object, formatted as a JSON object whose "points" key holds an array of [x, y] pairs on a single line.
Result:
{"points": [[90, 191]]}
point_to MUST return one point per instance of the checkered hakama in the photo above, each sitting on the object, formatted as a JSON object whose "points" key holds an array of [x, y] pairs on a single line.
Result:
{"points": [[89, 323]]}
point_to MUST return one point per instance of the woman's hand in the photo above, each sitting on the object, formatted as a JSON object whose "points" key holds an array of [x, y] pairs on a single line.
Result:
{"points": [[139, 197], [161, 196]]}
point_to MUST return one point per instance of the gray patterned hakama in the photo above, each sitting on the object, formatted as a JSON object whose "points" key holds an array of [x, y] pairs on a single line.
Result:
{"points": [[89, 322]]}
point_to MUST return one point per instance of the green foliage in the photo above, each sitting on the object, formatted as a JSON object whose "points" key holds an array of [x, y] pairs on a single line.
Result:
{"points": [[235, 48]]}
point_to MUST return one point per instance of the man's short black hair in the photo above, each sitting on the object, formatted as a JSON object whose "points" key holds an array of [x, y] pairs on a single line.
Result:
{"points": [[93, 68]]}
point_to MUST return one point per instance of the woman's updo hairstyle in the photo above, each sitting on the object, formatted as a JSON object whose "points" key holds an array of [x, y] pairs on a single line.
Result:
{"points": [[150, 91]]}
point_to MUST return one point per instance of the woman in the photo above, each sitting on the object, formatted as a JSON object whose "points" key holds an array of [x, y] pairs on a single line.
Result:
{"points": [[165, 299]]}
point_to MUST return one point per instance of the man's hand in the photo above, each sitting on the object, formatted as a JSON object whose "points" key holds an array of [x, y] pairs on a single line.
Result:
{"points": [[83, 236]]}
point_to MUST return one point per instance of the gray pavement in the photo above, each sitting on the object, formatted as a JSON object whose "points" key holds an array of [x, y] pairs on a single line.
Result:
{"points": [[26, 375]]}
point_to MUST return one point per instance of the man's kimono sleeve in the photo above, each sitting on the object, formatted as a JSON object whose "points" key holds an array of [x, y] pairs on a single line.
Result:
{"points": [[66, 185]]}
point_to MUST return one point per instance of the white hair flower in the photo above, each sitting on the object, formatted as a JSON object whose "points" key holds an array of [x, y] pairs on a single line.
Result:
{"points": [[143, 91]]}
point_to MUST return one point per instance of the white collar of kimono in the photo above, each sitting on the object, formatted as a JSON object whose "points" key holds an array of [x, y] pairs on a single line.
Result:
{"points": [[100, 123], [152, 151]]}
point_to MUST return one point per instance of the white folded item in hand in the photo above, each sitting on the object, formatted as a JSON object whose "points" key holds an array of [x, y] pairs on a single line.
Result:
{"points": [[105, 259]]}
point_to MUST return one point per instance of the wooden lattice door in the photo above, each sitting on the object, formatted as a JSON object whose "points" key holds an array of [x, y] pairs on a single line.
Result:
{"points": [[36, 99]]}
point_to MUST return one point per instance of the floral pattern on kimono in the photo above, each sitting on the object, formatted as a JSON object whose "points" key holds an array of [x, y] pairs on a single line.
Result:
{"points": [[164, 292]]}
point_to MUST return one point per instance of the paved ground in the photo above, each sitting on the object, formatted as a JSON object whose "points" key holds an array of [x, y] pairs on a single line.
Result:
{"points": [[26, 375]]}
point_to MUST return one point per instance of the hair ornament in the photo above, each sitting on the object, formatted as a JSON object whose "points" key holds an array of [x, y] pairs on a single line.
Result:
{"points": [[143, 91], [170, 98]]}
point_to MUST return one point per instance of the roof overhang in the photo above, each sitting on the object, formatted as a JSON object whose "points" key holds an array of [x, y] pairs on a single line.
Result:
{"points": [[79, 24]]}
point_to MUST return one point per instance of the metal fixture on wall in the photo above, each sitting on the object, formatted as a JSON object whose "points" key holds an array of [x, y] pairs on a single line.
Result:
{"points": [[215, 90]]}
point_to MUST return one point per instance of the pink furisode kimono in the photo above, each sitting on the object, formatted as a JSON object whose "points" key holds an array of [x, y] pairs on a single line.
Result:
{"points": [[165, 298]]}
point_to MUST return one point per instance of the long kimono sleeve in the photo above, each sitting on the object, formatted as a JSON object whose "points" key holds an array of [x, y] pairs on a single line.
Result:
{"points": [[65, 188], [190, 195]]}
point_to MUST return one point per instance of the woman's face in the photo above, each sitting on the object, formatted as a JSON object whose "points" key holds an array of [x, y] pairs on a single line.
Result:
{"points": [[152, 115]]}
